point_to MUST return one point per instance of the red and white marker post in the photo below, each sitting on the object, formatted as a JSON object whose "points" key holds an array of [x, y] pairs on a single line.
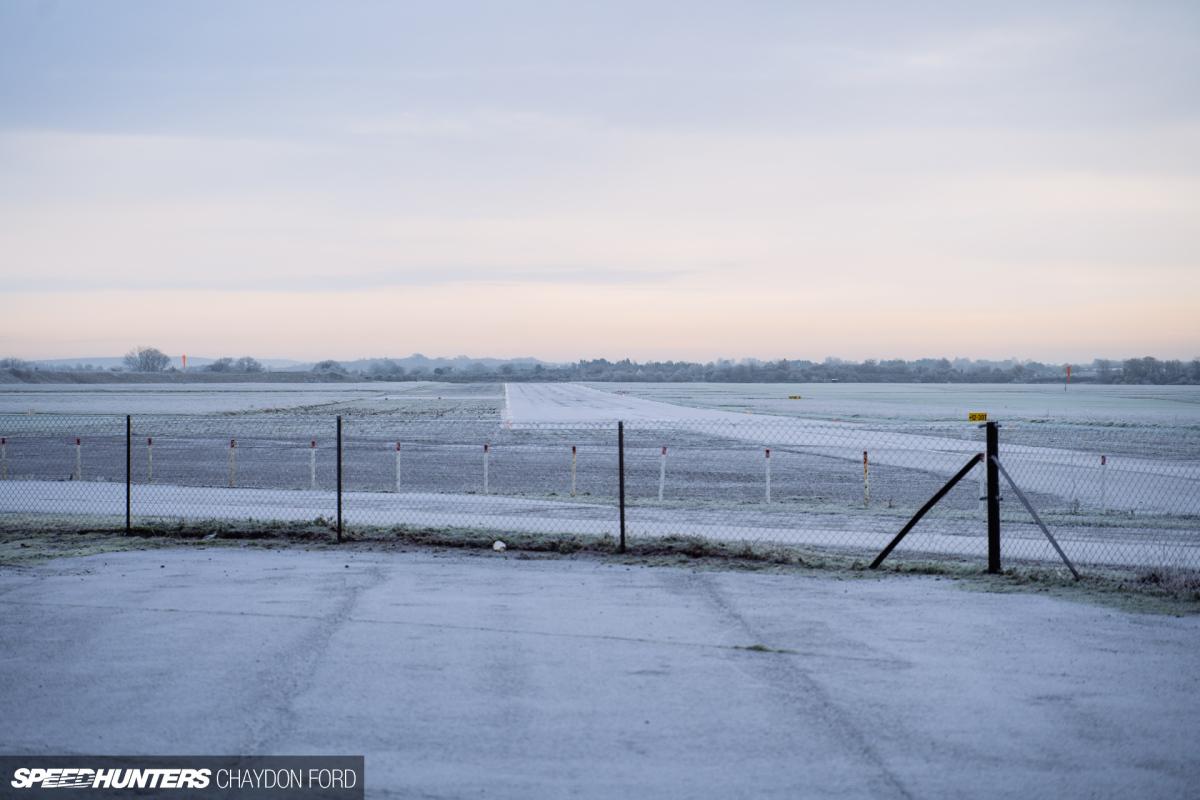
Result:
{"points": [[662, 474], [768, 476], [1103, 481], [866, 483]]}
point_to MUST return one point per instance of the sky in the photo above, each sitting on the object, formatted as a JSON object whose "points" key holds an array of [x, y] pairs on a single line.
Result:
{"points": [[600, 180]]}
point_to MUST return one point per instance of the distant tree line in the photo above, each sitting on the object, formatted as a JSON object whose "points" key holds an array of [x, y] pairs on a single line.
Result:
{"points": [[928, 370], [1136, 371], [243, 364]]}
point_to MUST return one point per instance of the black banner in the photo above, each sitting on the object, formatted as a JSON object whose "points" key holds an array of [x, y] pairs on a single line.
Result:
{"points": [[246, 777]]}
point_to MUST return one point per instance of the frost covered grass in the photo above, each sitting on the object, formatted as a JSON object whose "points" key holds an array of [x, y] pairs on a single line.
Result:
{"points": [[429, 399], [1161, 590], [1171, 406]]}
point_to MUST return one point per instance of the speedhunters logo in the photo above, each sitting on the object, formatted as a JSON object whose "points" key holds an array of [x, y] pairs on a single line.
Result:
{"points": [[195, 776], [67, 778]]}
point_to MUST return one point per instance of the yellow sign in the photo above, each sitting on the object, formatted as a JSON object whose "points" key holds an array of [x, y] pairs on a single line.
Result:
{"points": [[793, 397], [977, 417]]}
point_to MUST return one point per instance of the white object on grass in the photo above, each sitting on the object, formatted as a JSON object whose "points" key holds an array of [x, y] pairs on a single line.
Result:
{"points": [[499, 546]]}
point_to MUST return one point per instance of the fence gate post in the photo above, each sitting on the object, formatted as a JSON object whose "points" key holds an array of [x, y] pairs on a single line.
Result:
{"points": [[128, 465], [621, 476], [339, 478], [993, 498]]}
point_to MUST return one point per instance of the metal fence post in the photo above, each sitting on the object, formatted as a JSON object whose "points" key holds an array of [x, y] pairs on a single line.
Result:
{"points": [[485, 460], [572, 470], [993, 498], [621, 476], [128, 466], [339, 478]]}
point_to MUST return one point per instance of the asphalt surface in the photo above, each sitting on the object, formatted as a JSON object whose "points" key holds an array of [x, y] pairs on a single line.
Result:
{"points": [[485, 675]]}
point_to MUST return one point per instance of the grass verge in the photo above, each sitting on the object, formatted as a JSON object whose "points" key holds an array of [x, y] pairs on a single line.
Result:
{"points": [[1162, 590]]}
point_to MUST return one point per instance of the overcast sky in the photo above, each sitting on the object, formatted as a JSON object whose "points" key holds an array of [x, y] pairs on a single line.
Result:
{"points": [[567, 180]]}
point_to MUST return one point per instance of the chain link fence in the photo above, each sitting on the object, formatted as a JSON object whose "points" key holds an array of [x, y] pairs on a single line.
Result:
{"points": [[1113, 497]]}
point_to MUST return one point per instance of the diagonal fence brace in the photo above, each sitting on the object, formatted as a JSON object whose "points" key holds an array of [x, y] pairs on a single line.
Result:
{"points": [[1036, 518], [975, 459]]}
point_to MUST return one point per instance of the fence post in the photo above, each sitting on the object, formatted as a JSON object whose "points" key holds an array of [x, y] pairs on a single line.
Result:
{"points": [[339, 478], [1103, 481], [150, 455], [572, 470], [232, 461], [866, 483], [312, 466], [485, 460], [78, 460], [662, 474], [128, 467], [397, 466], [768, 476], [621, 476], [993, 498], [3, 459]]}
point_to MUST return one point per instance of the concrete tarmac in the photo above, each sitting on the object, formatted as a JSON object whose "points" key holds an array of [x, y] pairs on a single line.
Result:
{"points": [[487, 675]]}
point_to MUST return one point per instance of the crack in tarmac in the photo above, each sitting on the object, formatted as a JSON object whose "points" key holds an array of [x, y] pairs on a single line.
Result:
{"points": [[800, 688], [474, 628]]}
